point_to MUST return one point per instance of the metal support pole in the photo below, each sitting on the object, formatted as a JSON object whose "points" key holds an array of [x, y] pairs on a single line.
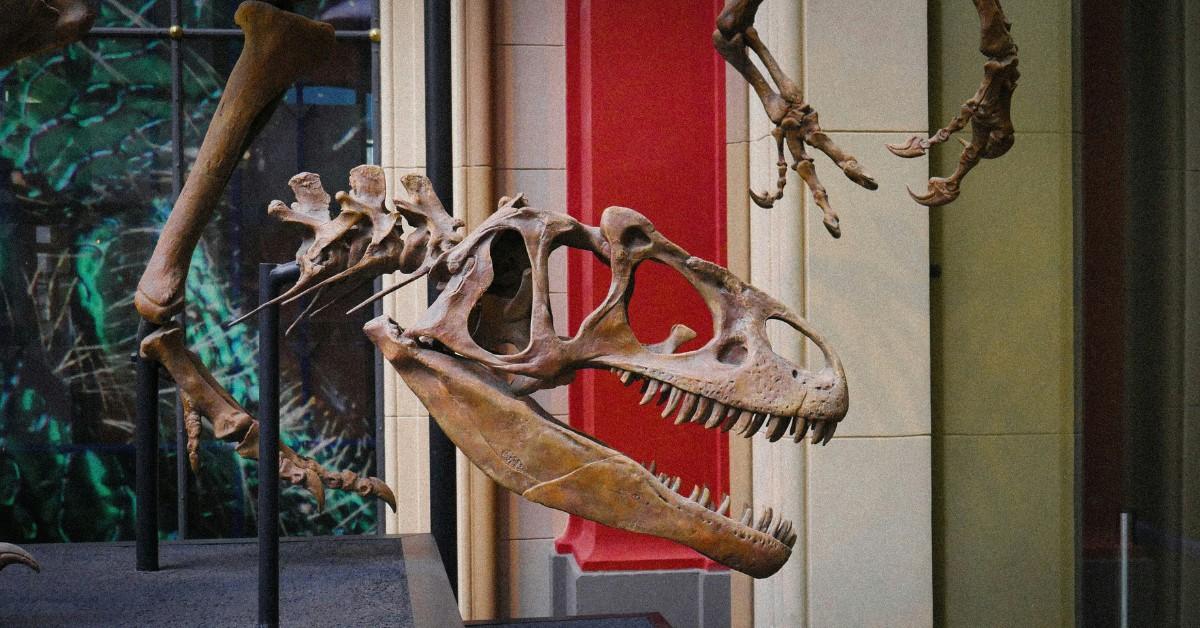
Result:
{"points": [[443, 480], [270, 278], [146, 443], [1123, 585], [381, 508]]}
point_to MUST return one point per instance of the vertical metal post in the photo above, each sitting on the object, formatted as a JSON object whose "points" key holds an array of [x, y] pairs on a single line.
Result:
{"points": [[270, 278], [1123, 585], [268, 452], [443, 489], [182, 473], [146, 465], [381, 507]]}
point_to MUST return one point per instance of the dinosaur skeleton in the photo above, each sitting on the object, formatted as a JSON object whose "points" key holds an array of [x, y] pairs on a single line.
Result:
{"points": [[795, 120], [988, 111]]}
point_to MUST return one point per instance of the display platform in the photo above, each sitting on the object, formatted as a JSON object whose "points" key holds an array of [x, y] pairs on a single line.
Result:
{"points": [[324, 581]]}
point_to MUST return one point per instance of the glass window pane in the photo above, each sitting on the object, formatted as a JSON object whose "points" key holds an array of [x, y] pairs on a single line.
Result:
{"points": [[85, 183], [343, 14], [327, 383], [134, 13]]}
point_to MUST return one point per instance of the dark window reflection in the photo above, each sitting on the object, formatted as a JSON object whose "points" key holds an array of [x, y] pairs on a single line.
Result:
{"points": [[85, 185]]}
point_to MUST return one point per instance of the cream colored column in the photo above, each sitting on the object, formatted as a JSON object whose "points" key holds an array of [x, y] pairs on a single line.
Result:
{"points": [[777, 264], [406, 430], [737, 238], [402, 111], [471, 89], [861, 504]]}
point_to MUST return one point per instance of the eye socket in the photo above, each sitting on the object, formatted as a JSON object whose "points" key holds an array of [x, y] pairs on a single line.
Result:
{"points": [[508, 301], [732, 352]]}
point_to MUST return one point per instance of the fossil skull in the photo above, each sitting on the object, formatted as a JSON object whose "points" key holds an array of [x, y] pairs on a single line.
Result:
{"points": [[489, 340]]}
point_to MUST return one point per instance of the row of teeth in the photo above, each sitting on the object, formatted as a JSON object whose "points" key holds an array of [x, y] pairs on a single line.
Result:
{"points": [[782, 531], [692, 408]]}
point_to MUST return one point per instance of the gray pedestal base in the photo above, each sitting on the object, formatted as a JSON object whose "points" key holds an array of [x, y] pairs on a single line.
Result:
{"points": [[691, 597]]}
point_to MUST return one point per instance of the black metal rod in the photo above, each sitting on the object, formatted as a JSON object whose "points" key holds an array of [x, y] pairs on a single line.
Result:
{"points": [[155, 32], [182, 472], [443, 480], [381, 508], [270, 279], [146, 465]]}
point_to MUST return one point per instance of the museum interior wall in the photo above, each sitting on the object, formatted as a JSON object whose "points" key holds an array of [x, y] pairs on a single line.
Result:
{"points": [[1003, 328], [870, 487]]}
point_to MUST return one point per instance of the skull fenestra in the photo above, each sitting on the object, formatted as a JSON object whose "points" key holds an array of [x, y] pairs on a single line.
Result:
{"points": [[489, 341]]}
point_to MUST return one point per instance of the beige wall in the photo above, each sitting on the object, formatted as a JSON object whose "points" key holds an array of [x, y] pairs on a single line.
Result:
{"points": [[863, 502], [1004, 421]]}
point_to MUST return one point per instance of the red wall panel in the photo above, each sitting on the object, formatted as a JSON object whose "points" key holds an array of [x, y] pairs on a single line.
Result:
{"points": [[645, 130]]}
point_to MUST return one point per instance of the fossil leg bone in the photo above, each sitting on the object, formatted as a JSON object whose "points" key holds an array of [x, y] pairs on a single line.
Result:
{"points": [[796, 122], [204, 396], [280, 46], [989, 111]]}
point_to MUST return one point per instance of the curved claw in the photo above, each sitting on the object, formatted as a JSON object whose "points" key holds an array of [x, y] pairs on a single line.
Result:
{"points": [[915, 147], [855, 173], [11, 554], [833, 225], [765, 201], [380, 489], [941, 192]]}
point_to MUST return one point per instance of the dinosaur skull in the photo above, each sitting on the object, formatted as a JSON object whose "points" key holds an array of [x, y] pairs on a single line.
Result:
{"points": [[489, 340]]}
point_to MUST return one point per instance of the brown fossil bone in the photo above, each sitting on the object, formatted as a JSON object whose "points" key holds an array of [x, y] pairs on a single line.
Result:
{"points": [[796, 123], [12, 555], [489, 340], [31, 27], [203, 396], [279, 47], [989, 111]]}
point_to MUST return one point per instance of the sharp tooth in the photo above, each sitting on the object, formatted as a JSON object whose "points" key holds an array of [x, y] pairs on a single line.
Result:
{"points": [[702, 409], [791, 540], [695, 492], [628, 377], [704, 498], [778, 527], [723, 509], [801, 429], [766, 520], [653, 467], [685, 409], [756, 423], [743, 420], [829, 433], [818, 431], [778, 427], [717, 415], [663, 393], [672, 402], [748, 517], [675, 484], [662, 477], [731, 417], [650, 390]]}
